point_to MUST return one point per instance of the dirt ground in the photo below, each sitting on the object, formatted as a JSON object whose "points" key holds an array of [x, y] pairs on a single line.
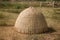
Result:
{"points": [[9, 33]]}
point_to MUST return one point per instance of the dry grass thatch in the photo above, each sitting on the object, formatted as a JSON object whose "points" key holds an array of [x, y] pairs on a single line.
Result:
{"points": [[31, 21]]}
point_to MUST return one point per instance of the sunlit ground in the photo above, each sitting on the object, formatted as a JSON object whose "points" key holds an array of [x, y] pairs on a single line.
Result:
{"points": [[9, 14]]}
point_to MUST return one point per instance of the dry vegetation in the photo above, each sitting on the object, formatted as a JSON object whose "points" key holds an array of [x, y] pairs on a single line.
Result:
{"points": [[8, 16]]}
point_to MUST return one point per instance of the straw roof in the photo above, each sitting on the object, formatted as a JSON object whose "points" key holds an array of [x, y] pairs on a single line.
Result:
{"points": [[31, 21]]}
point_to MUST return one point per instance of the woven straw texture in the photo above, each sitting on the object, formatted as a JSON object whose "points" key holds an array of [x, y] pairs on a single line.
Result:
{"points": [[30, 21]]}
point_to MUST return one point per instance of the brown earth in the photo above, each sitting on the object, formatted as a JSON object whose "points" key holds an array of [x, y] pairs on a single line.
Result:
{"points": [[9, 33]]}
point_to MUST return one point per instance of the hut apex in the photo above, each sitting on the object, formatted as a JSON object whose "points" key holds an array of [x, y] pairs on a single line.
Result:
{"points": [[31, 21]]}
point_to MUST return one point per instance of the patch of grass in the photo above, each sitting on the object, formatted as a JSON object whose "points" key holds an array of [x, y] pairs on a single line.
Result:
{"points": [[14, 10], [51, 13], [56, 16], [2, 16], [48, 12], [5, 5], [3, 23], [7, 18], [11, 10], [20, 5], [12, 5]]}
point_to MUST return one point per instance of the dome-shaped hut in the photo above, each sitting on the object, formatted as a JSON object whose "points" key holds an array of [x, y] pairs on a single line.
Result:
{"points": [[31, 21]]}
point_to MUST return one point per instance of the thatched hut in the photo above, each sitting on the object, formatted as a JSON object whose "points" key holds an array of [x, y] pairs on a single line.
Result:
{"points": [[31, 21]]}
